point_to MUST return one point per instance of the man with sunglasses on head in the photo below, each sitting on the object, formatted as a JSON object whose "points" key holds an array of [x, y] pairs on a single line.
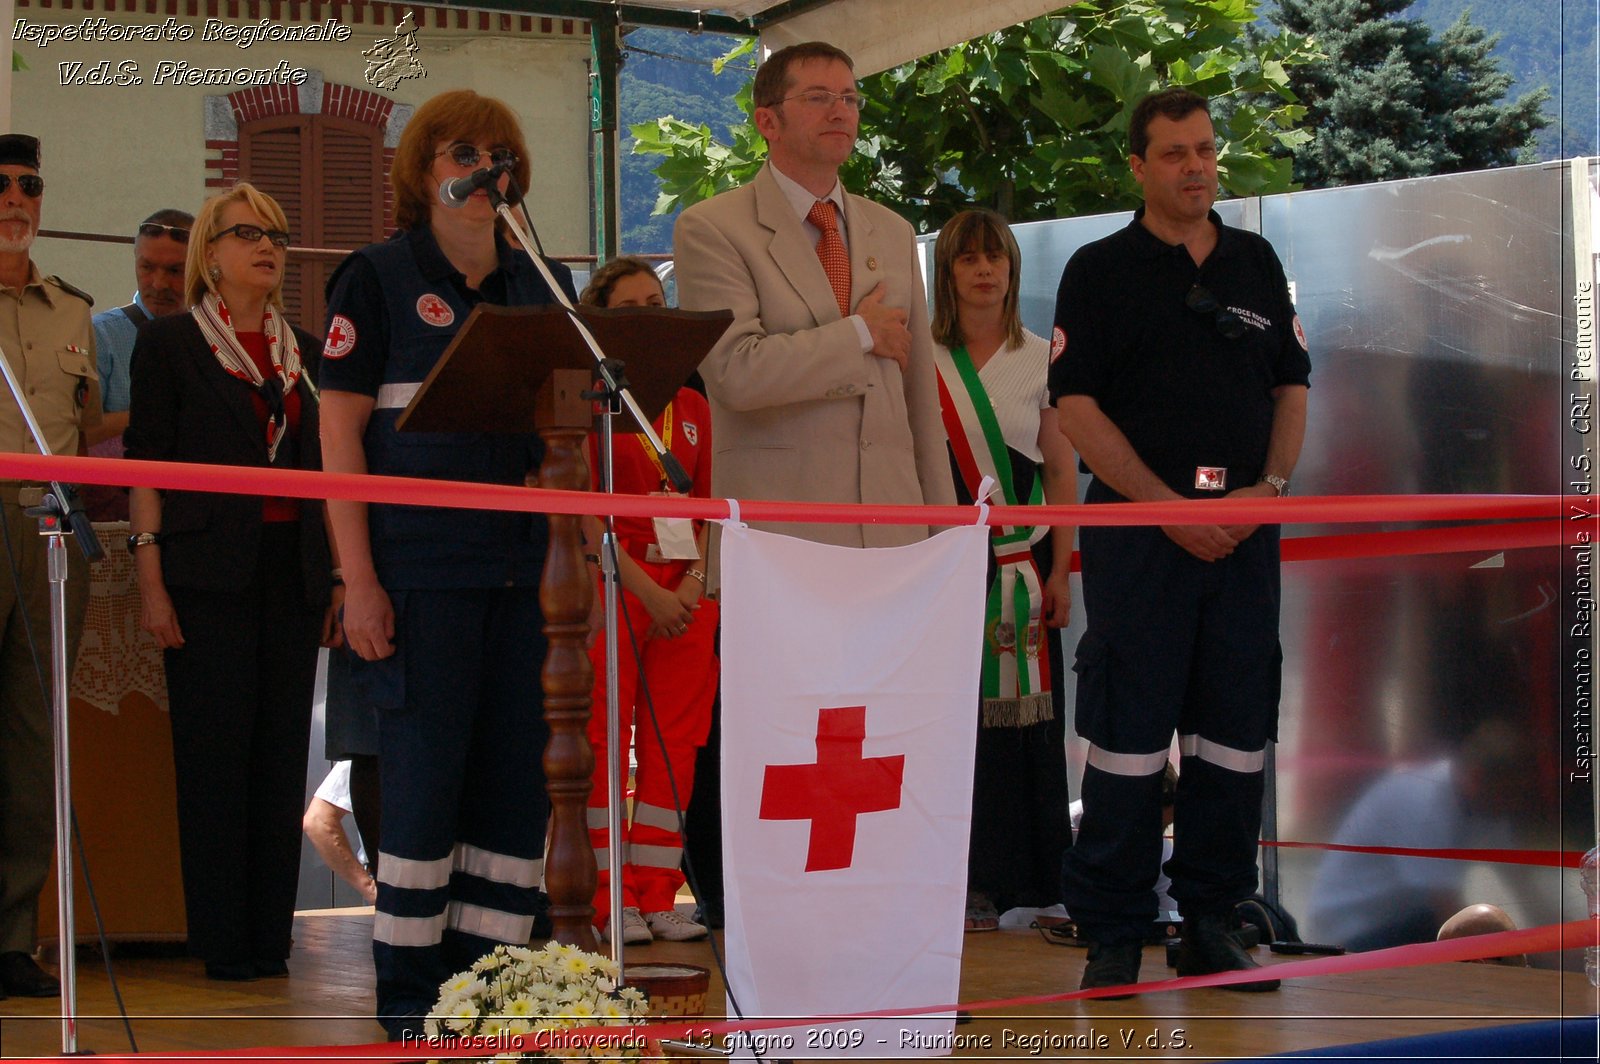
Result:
{"points": [[1179, 371], [159, 251], [47, 339]]}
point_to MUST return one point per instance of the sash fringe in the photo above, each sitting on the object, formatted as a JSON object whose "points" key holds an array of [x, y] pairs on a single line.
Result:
{"points": [[1018, 712]]}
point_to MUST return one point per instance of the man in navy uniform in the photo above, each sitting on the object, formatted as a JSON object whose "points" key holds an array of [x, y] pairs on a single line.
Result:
{"points": [[1180, 372]]}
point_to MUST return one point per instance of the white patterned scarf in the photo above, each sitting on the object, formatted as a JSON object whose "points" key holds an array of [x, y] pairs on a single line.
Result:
{"points": [[216, 325]]}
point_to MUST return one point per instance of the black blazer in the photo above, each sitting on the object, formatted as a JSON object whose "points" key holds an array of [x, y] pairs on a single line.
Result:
{"points": [[187, 408]]}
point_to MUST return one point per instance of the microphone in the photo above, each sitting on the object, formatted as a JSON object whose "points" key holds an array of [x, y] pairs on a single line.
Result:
{"points": [[455, 193]]}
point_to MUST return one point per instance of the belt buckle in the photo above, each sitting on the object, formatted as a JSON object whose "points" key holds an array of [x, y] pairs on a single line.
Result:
{"points": [[1210, 478]]}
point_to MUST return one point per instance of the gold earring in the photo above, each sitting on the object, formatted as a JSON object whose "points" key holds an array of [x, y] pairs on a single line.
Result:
{"points": [[214, 272]]}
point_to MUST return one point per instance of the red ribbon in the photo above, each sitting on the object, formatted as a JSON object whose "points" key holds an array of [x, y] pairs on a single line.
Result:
{"points": [[1534, 858], [411, 491]]}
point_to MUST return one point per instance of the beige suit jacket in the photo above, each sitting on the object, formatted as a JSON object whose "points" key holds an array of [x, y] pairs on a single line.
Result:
{"points": [[798, 411]]}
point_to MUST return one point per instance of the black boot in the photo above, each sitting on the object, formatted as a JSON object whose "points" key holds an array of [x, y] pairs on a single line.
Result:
{"points": [[1112, 965], [1209, 948], [22, 977]]}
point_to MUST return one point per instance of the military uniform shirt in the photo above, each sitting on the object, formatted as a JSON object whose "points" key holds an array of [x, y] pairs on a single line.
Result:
{"points": [[49, 343]]}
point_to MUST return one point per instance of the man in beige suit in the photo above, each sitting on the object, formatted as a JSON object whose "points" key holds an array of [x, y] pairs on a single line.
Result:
{"points": [[823, 389]]}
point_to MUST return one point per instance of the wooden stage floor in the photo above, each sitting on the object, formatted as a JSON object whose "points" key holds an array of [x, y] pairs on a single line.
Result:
{"points": [[328, 1001]]}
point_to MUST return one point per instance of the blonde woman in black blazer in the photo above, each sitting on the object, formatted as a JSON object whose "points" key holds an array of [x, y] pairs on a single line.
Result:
{"points": [[235, 588]]}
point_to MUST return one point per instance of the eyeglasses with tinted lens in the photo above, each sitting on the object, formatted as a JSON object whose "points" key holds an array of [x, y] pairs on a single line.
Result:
{"points": [[32, 185], [822, 99], [1201, 301], [251, 234], [468, 155], [178, 233]]}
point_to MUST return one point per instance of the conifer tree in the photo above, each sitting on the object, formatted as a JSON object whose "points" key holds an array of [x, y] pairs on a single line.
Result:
{"points": [[1392, 100]]}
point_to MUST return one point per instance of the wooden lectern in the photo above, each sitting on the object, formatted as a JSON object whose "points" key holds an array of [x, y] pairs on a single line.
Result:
{"points": [[523, 369]]}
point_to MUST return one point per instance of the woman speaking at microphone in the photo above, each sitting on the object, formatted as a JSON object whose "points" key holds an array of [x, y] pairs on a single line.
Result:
{"points": [[234, 587], [441, 605]]}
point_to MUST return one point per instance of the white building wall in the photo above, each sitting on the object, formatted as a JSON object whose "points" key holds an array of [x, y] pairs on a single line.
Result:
{"points": [[112, 153]]}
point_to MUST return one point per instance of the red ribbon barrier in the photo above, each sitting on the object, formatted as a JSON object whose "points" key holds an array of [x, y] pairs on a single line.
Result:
{"points": [[1575, 934], [1460, 539], [1532, 858], [242, 480]]}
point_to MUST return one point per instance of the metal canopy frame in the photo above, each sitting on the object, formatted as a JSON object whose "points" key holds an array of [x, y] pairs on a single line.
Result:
{"points": [[677, 16]]}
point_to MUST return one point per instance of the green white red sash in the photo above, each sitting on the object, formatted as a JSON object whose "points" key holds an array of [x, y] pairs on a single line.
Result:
{"points": [[1014, 687]]}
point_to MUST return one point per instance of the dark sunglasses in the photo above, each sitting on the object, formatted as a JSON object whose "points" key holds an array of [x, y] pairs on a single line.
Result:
{"points": [[177, 233], [1201, 301], [32, 185], [468, 155], [250, 234]]}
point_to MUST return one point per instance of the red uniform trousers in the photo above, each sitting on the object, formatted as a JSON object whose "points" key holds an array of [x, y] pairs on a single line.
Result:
{"points": [[681, 675]]}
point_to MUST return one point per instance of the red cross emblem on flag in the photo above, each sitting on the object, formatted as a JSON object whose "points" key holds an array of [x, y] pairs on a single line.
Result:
{"points": [[838, 787]]}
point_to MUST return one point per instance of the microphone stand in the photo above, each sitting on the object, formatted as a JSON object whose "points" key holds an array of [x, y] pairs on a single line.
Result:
{"points": [[614, 391], [60, 514]]}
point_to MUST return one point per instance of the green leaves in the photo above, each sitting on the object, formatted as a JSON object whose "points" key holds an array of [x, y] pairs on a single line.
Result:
{"points": [[1032, 120]]}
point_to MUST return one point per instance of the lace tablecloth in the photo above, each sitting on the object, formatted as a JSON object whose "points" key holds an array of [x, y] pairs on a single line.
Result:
{"points": [[116, 656]]}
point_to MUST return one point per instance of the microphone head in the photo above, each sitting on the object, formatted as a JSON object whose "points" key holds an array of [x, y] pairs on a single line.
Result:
{"points": [[450, 196], [455, 193]]}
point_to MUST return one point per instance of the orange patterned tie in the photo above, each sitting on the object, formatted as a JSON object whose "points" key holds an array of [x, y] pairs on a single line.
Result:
{"points": [[830, 249]]}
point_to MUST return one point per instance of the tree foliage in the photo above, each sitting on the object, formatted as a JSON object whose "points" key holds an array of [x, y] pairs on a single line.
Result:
{"points": [[1393, 100], [1032, 120]]}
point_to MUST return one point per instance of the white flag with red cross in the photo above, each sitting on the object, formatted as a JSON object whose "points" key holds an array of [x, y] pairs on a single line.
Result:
{"points": [[849, 717]]}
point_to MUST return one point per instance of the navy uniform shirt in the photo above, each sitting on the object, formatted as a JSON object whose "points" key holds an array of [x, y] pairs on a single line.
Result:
{"points": [[356, 292], [1183, 393], [393, 309]]}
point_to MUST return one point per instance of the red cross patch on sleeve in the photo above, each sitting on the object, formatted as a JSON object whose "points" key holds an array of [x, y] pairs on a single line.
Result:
{"points": [[341, 338]]}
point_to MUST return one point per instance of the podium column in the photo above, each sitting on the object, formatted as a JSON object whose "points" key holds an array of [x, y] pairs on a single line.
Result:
{"points": [[565, 593]]}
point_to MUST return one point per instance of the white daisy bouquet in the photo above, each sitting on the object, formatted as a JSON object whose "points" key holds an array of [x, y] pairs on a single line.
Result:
{"points": [[515, 990]]}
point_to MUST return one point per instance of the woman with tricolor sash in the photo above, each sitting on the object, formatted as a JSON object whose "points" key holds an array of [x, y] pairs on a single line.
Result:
{"points": [[996, 407]]}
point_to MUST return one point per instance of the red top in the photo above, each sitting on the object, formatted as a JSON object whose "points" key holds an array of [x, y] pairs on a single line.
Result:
{"points": [[636, 472], [255, 345]]}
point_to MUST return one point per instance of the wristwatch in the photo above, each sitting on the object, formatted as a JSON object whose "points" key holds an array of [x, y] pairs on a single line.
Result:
{"points": [[142, 539], [1279, 484]]}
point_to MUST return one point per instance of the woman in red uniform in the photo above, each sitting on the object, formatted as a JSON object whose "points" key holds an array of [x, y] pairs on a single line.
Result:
{"points": [[666, 636]]}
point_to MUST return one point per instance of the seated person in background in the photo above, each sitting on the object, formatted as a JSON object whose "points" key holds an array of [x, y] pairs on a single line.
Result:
{"points": [[1367, 901], [666, 616], [324, 826], [1483, 919]]}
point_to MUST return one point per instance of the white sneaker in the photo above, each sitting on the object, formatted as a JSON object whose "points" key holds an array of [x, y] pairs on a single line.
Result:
{"points": [[635, 932], [670, 925]]}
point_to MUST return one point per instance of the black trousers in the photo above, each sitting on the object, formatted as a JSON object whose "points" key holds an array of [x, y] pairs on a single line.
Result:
{"points": [[1173, 644], [461, 725], [240, 689]]}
